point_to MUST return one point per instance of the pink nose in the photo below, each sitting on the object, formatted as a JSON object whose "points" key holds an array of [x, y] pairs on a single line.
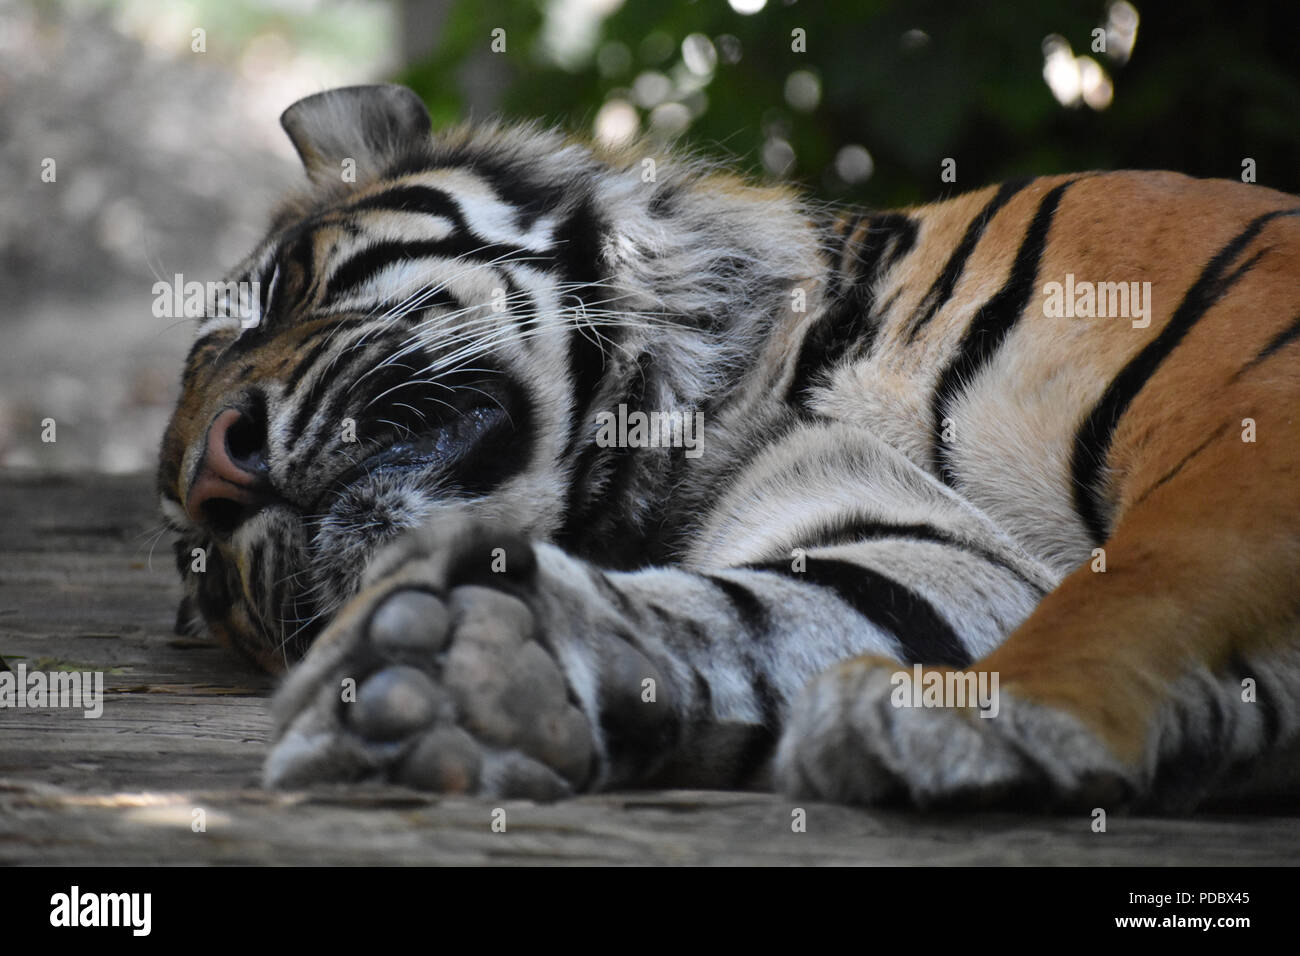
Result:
{"points": [[232, 482]]}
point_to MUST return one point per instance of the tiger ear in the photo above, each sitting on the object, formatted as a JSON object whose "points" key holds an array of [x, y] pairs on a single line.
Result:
{"points": [[366, 124]]}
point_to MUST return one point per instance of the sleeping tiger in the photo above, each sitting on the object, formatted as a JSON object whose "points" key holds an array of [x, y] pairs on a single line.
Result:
{"points": [[566, 469]]}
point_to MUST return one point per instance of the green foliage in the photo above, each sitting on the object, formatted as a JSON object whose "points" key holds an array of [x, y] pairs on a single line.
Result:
{"points": [[1204, 89]]}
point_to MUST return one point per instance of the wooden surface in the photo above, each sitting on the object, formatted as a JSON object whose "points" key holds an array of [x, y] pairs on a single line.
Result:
{"points": [[184, 728]]}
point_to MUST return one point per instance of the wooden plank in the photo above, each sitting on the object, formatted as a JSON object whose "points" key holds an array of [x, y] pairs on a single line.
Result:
{"points": [[185, 724]]}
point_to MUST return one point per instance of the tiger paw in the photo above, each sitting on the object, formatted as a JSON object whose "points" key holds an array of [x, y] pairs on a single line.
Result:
{"points": [[861, 733], [431, 679]]}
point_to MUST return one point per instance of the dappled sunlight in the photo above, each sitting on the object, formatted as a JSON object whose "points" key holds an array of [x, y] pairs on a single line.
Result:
{"points": [[1081, 80]]}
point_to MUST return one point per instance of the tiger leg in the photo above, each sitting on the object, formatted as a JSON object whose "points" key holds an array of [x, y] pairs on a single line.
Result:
{"points": [[1169, 678], [477, 661], [556, 676]]}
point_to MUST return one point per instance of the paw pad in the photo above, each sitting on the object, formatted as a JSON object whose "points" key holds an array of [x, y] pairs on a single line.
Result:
{"points": [[409, 625], [395, 702], [456, 695], [446, 759]]}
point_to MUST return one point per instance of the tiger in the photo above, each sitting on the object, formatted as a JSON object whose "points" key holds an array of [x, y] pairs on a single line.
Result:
{"points": [[541, 467]]}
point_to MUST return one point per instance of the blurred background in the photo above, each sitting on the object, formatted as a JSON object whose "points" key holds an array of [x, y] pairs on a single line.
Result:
{"points": [[140, 138]]}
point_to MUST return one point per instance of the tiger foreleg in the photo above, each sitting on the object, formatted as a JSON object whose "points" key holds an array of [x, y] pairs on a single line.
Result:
{"points": [[476, 661]]}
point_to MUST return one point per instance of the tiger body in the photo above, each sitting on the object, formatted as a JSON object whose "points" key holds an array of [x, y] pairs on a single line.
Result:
{"points": [[908, 457]]}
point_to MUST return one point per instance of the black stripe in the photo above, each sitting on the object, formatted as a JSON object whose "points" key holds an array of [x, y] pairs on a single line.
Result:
{"points": [[304, 256], [586, 370], [600, 522], [214, 590], [989, 327], [769, 702], [942, 289], [701, 697], [849, 529], [1093, 439], [510, 181], [923, 636], [578, 253], [461, 244], [890, 236], [264, 286], [751, 612], [333, 374], [846, 320], [328, 334], [849, 320], [308, 361], [758, 745], [297, 273], [198, 358], [332, 390], [365, 265], [426, 200], [418, 199], [620, 600], [578, 242], [520, 305], [1275, 345], [854, 529], [1198, 760]]}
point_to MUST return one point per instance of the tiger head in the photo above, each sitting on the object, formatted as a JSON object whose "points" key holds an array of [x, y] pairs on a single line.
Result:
{"points": [[432, 325]]}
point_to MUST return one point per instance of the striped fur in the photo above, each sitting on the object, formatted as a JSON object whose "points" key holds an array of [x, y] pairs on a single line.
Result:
{"points": [[906, 460]]}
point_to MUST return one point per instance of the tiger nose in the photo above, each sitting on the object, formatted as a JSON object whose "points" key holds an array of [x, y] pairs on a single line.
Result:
{"points": [[233, 480]]}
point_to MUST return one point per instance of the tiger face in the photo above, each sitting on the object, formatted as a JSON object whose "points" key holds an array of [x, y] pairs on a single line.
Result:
{"points": [[371, 389], [428, 335]]}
